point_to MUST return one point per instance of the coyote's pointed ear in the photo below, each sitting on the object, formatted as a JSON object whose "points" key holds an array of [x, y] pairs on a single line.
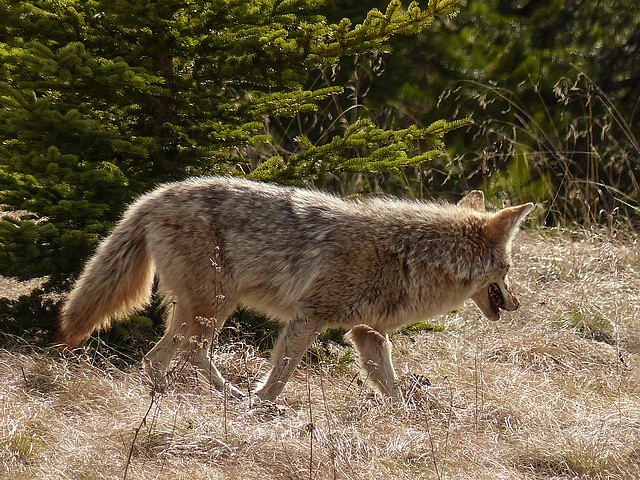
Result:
{"points": [[474, 200], [503, 225]]}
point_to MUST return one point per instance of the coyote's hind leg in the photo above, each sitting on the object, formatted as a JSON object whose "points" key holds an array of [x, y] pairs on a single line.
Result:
{"points": [[201, 359], [157, 360], [193, 335]]}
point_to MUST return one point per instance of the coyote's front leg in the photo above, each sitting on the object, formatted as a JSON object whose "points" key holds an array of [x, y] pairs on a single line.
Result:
{"points": [[290, 347], [374, 355]]}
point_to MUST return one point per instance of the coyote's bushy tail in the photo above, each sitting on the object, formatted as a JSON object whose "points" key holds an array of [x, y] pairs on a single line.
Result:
{"points": [[116, 281]]}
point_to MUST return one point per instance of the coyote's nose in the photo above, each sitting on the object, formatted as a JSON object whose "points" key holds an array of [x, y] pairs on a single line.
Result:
{"points": [[513, 303]]}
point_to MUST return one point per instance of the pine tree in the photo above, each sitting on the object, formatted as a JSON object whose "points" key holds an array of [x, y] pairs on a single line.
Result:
{"points": [[101, 100]]}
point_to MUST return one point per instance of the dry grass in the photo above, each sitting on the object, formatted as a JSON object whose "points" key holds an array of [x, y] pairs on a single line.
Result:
{"points": [[551, 391]]}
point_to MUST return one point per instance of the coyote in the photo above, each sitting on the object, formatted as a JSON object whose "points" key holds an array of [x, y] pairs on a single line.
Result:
{"points": [[300, 256]]}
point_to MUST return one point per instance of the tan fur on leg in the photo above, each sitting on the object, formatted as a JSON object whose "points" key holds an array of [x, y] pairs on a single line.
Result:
{"points": [[289, 350], [374, 355]]}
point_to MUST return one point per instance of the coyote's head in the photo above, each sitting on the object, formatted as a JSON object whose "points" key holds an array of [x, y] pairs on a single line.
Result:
{"points": [[498, 232]]}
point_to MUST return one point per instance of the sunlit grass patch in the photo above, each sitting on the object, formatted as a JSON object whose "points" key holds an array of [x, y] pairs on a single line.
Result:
{"points": [[538, 394]]}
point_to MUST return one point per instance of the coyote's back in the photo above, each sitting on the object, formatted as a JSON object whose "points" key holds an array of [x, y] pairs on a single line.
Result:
{"points": [[304, 257]]}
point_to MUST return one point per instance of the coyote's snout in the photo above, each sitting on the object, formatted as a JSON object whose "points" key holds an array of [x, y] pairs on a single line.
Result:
{"points": [[499, 297], [303, 257]]}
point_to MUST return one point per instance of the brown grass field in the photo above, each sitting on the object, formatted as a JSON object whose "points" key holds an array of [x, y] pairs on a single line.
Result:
{"points": [[549, 391]]}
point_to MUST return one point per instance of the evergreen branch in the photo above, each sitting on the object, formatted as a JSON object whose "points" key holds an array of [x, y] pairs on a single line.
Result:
{"points": [[302, 46], [363, 148]]}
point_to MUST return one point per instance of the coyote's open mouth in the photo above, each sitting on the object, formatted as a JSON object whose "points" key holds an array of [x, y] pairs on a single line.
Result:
{"points": [[496, 298]]}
